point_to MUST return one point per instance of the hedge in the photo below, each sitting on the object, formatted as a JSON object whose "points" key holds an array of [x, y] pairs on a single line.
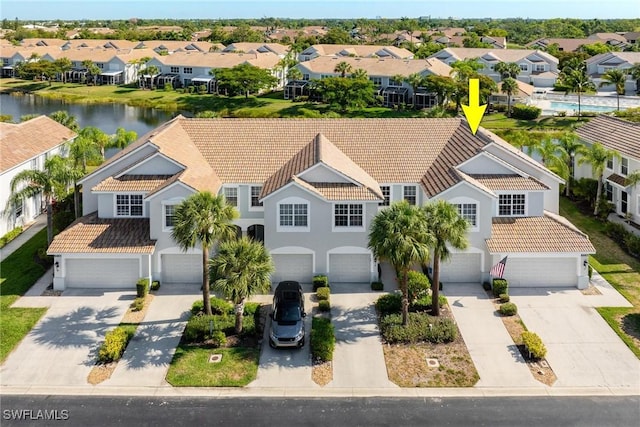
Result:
{"points": [[424, 303], [218, 306], [323, 340], [377, 286], [500, 286], [389, 304], [534, 345], [115, 342], [142, 287], [508, 309], [10, 236], [418, 285], [525, 112], [419, 328], [320, 281], [324, 305], [323, 293]]}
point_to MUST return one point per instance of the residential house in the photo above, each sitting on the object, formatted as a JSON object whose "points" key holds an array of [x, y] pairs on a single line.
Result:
{"points": [[521, 96], [564, 45], [26, 146], [612, 39], [537, 68], [624, 137], [167, 47], [259, 48], [599, 64], [309, 190], [458, 41], [354, 51], [382, 72]]}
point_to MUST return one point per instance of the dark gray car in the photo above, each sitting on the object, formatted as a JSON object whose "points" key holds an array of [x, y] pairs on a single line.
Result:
{"points": [[287, 316]]}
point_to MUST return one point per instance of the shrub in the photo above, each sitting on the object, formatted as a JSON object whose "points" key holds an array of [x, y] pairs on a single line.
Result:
{"points": [[155, 285], [486, 286], [590, 271], [142, 287], [320, 281], [508, 309], [324, 305], [114, 344], [632, 243], [323, 340], [197, 329], [504, 298], [377, 286], [417, 285], [586, 189], [419, 328], [424, 303], [389, 304], [534, 345], [10, 236], [525, 112], [137, 304], [323, 293], [218, 339], [218, 306], [616, 231], [500, 286]]}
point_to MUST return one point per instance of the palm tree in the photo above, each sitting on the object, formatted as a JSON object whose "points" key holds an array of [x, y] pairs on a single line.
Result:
{"points": [[97, 136], [507, 70], [359, 73], [399, 235], [570, 144], [343, 68], [522, 140], [617, 78], [415, 80], [51, 182], [294, 74], [82, 150], [65, 119], [635, 74], [206, 219], [240, 269], [448, 229], [632, 179], [92, 69], [509, 86], [122, 138], [577, 80], [596, 156], [550, 153]]}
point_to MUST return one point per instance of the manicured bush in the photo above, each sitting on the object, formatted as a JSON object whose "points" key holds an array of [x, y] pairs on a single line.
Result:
{"points": [[525, 112], [323, 340], [500, 286], [320, 281], [323, 293], [115, 342], [10, 236], [324, 305], [142, 287], [389, 304], [508, 309], [155, 285], [419, 328], [632, 243], [534, 345], [504, 298], [137, 304], [197, 329], [218, 306], [424, 303], [218, 339], [417, 285], [486, 286], [377, 286]]}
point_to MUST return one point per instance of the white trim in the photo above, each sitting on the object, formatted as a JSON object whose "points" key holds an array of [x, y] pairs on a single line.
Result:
{"points": [[236, 187], [296, 250], [313, 193], [470, 185], [143, 161], [512, 193], [128, 193], [351, 250], [494, 158], [251, 208], [348, 228], [170, 202], [333, 170], [245, 223], [381, 206], [465, 200], [415, 186], [293, 228], [116, 161], [182, 184]]}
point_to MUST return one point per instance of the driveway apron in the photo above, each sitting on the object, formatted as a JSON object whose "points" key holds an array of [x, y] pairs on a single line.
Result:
{"points": [[496, 357], [61, 349], [146, 360]]}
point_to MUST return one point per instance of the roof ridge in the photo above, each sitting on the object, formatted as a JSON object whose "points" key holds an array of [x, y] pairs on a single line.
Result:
{"points": [[564, 222]]}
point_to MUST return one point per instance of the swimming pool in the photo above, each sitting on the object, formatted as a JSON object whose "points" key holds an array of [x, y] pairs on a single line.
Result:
{"points": [[571, 106]]}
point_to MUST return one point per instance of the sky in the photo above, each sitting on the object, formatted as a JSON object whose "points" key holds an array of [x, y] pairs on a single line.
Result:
{"points": [[220, 9]]}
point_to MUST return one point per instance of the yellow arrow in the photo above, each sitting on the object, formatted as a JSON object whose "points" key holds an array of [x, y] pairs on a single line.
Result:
{"points": [[474, 112]]}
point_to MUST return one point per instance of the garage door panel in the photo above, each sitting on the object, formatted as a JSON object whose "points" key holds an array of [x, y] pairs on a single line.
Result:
{"points": [[102, 273], [547, 272], [349, 268], [461, 268], [297, 267], [181, 268]]}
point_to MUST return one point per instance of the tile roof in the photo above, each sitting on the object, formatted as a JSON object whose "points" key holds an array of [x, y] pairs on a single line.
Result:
{"points": [[360, 50], [132, 183], [377, 66], [339, 191], [565, 44], [509, 182], [613, 133], [505, 55], [91, 234], [23, 141], [548, 233], [617, 179], [524, 89], [219, 59]]}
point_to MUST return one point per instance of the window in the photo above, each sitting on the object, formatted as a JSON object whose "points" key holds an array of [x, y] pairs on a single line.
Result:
{"points": [[18, 211], [187, 70], [377, 81], [608, 188], [129, 205], [34, 164], [610, 163], [539, 67], [524, 67], [100, 65], [255, 196], [624, 204], [386, 192], [511, 204], [306, 77], [175, 69], [169, 215], [624, 166], [293, 215], [393, 82], [409, 193], [468, 211], [231, 195], [348, 215]]}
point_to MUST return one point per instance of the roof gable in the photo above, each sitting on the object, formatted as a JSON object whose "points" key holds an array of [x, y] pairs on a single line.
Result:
{"points": [[613, 133]]}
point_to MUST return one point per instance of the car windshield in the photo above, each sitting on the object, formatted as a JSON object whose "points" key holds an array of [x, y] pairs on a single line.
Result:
{"points": [[288, 312]]}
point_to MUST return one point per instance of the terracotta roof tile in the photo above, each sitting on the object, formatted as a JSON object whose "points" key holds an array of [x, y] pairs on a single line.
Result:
{"points": [[548, 233], [91, 234], [613, 133], [378, 66], [132, 183], [617, 179], [509, 182]]}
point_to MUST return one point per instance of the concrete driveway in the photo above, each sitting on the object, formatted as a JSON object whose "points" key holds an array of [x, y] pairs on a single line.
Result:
{"points": [[582, 349], [62, 348]]}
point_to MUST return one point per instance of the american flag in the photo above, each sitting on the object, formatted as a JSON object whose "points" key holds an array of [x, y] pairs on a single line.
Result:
{"points": [[498, 269]]}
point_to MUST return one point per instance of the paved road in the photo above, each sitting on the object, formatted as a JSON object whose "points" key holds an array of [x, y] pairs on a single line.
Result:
{"points": [[334, 412]]}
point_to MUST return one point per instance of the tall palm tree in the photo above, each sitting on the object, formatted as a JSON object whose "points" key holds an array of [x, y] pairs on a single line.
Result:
{"points": [[205, 219], [65, 119], [634, 71], [240, 269], [82, 150], [509, 86], [596, 156], [415, 80], [570, 143], [294, 74], [448, 229], [122, 138], [507, 70], [617, 78], [551, 154], [399, 235], [51, 183], [97, 136], [343, 68], [577, 80], [522, 140], [633, 178], [359, 73]]}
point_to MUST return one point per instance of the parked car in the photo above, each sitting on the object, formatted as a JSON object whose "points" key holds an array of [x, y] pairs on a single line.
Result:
{"points": [[287, 316]]}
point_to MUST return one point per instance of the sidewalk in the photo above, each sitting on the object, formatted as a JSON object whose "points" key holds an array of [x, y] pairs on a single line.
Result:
{"points": [[33, 228]]}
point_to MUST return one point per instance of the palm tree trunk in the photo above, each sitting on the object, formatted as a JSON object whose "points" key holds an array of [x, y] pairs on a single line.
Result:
{"points": [[206, 299], [618, 99], [579, 115], [435, 286], [239, 313], [405, 298], [76, 200], [49, 220], [508, 105], [598, 195]]}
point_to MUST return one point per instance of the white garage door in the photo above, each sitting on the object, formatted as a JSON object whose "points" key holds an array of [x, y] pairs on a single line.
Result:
{"points": [[461, 268], [349, 268], [181, 268], [541, 272], [297, 267], [102, 273]]}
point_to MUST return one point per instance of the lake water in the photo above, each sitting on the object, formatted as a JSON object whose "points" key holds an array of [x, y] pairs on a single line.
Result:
{"points": [[107, 117]]}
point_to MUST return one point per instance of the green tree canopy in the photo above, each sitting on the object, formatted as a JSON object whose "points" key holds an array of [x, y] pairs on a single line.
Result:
{"points": [[346, 93], [243, 79]]}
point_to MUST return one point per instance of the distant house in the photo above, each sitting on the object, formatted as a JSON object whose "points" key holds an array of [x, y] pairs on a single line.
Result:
{"points": [[564, 45], [611, 39], [600, 64], [26, 146], [354, 51], [452, 41], [259, 48], [522, 95]]}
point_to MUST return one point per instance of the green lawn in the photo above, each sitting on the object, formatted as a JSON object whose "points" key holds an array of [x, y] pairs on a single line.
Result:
{"points": [[18, 272], [191, 368], [499, 121], [618, 268]]}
